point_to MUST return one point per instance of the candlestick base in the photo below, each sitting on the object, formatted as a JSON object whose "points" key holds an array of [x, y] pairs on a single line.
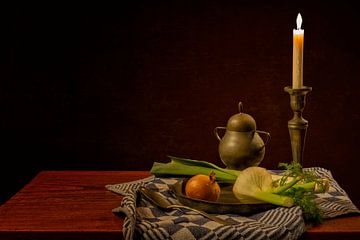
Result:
{"points": [[298, 125]]}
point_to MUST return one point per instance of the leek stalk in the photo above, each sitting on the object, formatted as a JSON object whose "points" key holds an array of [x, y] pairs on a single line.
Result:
{"points": [[188, 167]]}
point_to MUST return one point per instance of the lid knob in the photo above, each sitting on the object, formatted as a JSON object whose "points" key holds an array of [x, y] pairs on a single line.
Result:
{"points": [[241, 122]]}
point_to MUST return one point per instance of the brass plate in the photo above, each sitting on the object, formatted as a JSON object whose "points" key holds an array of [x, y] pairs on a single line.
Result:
{"points": [[226, 204]]}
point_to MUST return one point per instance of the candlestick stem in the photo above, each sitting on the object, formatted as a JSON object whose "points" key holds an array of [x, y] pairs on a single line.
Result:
{"points": [[298, 125]]}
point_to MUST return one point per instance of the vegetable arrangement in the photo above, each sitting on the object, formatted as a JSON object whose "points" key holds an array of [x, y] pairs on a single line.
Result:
{"points": [[254, 184]]}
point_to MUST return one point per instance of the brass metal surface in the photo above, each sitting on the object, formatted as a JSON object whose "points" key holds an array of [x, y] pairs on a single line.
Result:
{"points": [[226, 204], [241, 146], [298, 125]]}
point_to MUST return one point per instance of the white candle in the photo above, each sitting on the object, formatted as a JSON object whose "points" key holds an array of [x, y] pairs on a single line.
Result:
{"points": [[298, 49]]}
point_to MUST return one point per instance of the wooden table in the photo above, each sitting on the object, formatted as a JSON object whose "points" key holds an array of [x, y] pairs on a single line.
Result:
{"points": [[76, 205]]}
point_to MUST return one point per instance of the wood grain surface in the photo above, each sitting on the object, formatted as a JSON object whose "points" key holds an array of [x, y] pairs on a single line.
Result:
{"points": [[337, 228], [76, 205], [65, 205]]}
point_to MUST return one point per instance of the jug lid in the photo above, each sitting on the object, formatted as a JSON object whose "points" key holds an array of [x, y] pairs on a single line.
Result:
{"points": [[241, 122]]}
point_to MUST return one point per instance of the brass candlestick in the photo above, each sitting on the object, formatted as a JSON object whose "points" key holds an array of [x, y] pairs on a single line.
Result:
{"points": [[297, 125]]}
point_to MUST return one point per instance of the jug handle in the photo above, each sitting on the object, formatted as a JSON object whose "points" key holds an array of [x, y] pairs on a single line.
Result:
{"points": [[216, 132], [267, 137]]}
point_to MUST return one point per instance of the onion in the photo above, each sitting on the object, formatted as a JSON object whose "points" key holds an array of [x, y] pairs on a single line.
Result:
{"points": [[203, 187]]}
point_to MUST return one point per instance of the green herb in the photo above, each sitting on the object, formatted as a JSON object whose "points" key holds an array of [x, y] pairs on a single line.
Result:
{"points": [[294, 169], [306, 201], [303, 193]]}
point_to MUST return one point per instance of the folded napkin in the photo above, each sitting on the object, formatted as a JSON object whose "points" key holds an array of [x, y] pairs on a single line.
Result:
{"points": [[145, 221]]}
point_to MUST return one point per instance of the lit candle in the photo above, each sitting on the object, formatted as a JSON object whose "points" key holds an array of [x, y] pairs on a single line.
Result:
{"points": [[298, 49]]}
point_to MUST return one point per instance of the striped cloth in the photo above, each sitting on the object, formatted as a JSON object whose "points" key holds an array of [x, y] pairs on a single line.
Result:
{"points": [[145, 221]]}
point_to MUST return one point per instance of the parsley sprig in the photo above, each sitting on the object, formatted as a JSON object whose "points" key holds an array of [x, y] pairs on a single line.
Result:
{"points": [[302, 197]]}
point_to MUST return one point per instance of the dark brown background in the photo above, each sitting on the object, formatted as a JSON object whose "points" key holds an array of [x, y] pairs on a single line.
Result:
{"points": [[106, 87]]}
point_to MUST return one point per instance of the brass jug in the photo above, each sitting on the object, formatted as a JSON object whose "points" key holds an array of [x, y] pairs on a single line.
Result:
{"points": [[241, 146]]}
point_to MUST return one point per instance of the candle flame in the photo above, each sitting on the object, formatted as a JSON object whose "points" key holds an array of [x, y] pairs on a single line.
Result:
{"points": [[298, 21]]}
